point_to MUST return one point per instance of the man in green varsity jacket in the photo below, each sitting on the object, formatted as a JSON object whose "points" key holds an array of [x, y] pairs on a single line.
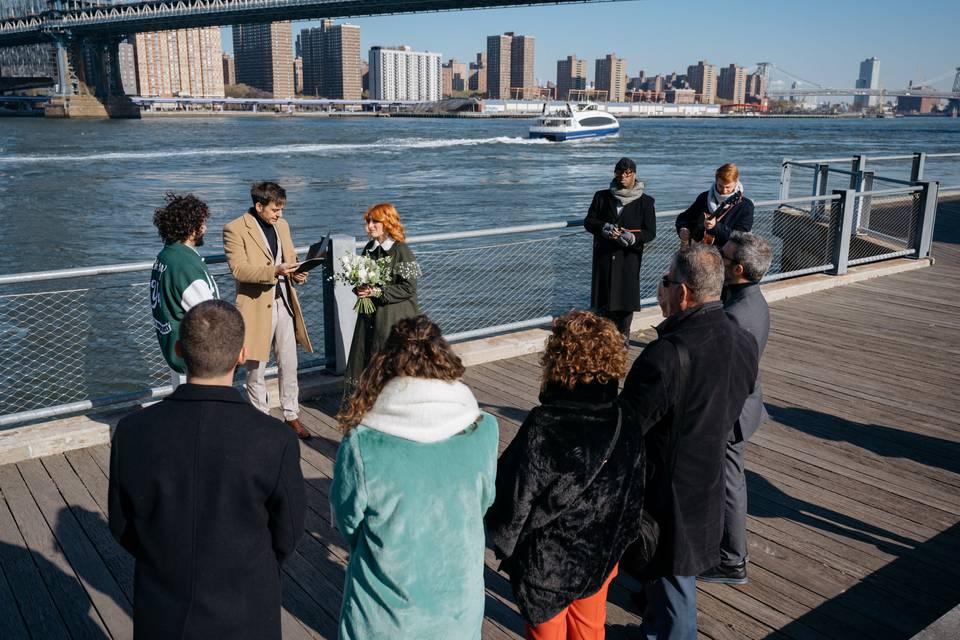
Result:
{"points": [[180, 279]]}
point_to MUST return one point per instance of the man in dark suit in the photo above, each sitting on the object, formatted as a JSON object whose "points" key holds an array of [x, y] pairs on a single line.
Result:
{"points": [[684, 393], [206, 494], [621, 219], [746, 259]]}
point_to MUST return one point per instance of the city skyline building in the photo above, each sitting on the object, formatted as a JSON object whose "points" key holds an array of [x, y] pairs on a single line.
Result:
{"points": [[703, 80], [454, 77], [127, 61], [510, 62], [571, 76], [869, 78], [263, 57], [478, 74], [298, 76], [756, 87], [732, 84], [398, 73], [611, 76], [521, 62], [331, 61], [182, 62], [498, 67], [229, 70]]}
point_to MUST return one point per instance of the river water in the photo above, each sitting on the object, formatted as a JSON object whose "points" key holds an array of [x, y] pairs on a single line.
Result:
{"points": [[79, 193]]}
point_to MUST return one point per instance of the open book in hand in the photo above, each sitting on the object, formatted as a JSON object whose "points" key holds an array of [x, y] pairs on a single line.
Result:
{"points": [[316, 255]]}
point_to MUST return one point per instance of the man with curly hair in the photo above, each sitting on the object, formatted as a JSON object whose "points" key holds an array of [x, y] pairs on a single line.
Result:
{"points": [[180, 279]]}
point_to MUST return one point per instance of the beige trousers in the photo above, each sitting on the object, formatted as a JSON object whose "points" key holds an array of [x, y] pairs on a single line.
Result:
{"points": [[283, 340]]}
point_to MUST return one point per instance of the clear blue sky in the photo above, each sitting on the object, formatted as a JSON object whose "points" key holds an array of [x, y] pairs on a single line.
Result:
{"points": [[819, 40]]}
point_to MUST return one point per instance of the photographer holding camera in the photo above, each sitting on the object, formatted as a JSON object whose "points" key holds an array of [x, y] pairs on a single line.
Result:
{"points": [[717, 211], [621, 219]]}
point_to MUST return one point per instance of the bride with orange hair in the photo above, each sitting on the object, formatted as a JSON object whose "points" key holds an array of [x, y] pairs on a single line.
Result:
{"points": [[393, 301]]}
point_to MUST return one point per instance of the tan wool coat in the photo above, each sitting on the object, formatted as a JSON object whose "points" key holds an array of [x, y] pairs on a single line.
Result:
{"points": [[253, 268]]}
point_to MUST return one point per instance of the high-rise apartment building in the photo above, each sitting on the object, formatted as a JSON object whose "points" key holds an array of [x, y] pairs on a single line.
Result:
{"points": [[397, 73], [263, 55], [478, 74], [510, 60], [331, 61], [703, 80], [183, 62], [611, 76], [229, 70], [454, 77], [521, 63], [571, 76], [498, 67], [869, 79], [732, 84]]}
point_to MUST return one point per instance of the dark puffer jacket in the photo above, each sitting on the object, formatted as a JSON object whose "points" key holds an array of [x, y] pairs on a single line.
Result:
{"points": [[569, 498]]}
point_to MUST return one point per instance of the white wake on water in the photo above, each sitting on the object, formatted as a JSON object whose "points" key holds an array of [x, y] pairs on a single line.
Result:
{"points": [[389, 144]]}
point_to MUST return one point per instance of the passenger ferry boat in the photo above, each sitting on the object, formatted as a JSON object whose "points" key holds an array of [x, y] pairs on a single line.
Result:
{"points": [[586, 120]]}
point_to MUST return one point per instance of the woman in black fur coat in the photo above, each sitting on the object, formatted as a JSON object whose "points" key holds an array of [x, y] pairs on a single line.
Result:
{"points": [[570, 485]]}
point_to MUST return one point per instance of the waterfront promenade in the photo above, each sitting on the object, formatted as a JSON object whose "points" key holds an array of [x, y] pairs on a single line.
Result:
{"points": [[854, 487]]}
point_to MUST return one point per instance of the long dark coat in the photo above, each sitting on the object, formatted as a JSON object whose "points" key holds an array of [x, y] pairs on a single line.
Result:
{"points": [[615, 282], [398, 301], [688, 504], [747, 306], [206, 494], [739, 218], [569, 496]]}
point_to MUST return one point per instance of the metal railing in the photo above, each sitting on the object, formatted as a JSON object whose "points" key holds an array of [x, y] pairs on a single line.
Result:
{"points": [[83, 339], [817, 176]]}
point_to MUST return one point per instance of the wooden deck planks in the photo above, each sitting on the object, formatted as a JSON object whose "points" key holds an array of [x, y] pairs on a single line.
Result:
{"points": [[854, 488]]}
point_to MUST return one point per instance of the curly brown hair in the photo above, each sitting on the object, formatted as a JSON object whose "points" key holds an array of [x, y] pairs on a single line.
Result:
{"points": [[414, 348], [583, 348], [180, 218], [387, 214]]}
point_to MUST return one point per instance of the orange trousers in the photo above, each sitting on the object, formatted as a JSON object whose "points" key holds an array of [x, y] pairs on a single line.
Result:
{"points": [[583, 619]]}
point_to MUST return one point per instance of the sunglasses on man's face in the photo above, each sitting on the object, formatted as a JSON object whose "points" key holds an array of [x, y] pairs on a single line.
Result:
{"points": [[666, 282]]}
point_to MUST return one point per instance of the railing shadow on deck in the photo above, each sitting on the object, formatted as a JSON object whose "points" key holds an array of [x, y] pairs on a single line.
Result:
{"points": [[888, 442], [936, 574]]}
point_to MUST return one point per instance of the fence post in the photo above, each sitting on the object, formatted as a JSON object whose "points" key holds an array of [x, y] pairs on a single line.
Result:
{"points": [[785, 170], [927, 216], [916, 171], [861, 218], [841, 225], [339, 318], [859, 164], [821, 173]]}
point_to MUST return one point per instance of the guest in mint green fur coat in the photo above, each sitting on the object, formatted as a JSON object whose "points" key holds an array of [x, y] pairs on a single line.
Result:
{"points": [[414, 476]]}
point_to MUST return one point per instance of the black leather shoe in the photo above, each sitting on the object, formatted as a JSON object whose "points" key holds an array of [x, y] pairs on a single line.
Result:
{"points": [[725, 574]]}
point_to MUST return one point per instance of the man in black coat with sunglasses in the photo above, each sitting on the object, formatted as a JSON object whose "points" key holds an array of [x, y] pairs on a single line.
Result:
{"points": [[685, 392], [622, 220]]}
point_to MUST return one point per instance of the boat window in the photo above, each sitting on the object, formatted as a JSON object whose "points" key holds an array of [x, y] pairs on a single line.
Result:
{"points": [[594, 121]]}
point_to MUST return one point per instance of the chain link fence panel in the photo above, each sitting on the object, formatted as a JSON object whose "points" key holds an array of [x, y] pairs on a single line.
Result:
{"points": [[95, 342]]}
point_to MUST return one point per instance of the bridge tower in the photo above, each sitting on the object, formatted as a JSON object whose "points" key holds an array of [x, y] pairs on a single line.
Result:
{"points": [[954, 105], [88, 79], [763, 70]]}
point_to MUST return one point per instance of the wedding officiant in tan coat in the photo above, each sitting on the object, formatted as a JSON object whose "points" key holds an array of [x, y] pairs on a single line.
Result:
{"points": [[262, 258]]}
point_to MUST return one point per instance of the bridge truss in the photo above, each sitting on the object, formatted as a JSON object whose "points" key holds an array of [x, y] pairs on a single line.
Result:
{"points": [[84, 19]]}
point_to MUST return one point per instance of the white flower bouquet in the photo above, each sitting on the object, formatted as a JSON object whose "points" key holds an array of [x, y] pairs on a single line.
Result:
{"points": [[357, 271]]}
